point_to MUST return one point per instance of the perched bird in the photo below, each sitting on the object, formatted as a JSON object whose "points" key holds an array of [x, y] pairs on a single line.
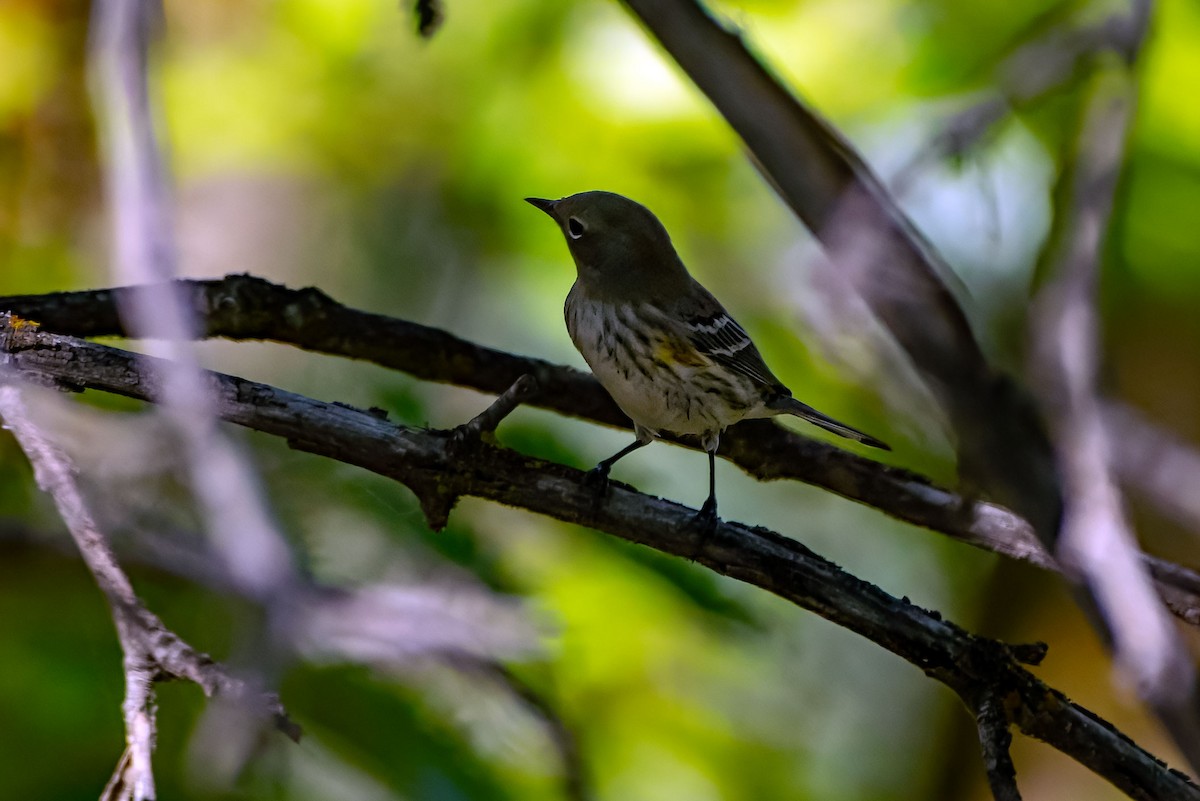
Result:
{"points": [[659, 342]]}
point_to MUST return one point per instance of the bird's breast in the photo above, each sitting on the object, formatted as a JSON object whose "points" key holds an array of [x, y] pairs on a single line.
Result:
{"points": [[651, 372]]}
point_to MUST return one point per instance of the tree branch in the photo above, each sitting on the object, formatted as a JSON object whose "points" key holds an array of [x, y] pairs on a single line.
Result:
{"points": [[221, 479], [1155, 464], [995, 739], [422, 459], [1002, 446], [1046, 57], [243, 307], [152, 652], [1097, 546]]}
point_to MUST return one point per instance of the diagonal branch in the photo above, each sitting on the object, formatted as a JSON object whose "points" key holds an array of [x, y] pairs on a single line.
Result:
{"points": [[221, 479], [1097, 545], [1155, 464], [1002, 446], [152, 652], [244, 307], [1047, 57], [967, 664]]}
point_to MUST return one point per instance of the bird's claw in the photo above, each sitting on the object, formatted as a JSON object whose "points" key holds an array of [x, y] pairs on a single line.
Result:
{"points": [[597, 479], [705, 522]]}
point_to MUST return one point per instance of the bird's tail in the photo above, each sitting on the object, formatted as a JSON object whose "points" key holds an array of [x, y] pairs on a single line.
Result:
{"points": [[785, 404]]}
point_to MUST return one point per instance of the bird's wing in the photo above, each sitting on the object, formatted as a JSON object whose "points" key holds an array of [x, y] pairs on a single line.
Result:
{"points": [[718, 336]]}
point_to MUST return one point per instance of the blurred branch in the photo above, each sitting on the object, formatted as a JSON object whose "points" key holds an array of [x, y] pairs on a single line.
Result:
{"points": [[1047, 56], [1155, 464], [390, 627], [243, 307], [1097, 545], [563, 738], [152, 651], [429, 463], [1002, 446], [224, 484], [386, 626]]}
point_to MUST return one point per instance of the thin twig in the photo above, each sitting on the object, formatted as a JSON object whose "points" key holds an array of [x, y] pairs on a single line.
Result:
{"points": [[522, 390], [118, 788], [1044, 58], [576, 786]]}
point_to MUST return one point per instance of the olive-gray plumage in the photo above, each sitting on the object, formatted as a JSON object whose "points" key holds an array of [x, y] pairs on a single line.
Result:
{"points": [[666, 350]]}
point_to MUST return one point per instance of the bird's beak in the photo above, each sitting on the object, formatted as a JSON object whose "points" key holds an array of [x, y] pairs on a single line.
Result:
{"points": [[547, 206]]}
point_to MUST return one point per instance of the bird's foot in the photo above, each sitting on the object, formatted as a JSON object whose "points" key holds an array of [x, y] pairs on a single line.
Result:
{"points": [[705, 522], [596, 480]]}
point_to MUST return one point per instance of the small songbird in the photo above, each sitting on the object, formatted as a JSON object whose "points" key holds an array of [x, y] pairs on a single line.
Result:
{"points": [[660, 343]]}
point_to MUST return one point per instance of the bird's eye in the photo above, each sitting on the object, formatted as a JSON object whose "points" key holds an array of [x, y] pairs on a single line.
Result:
{"points": [[574, 228]]}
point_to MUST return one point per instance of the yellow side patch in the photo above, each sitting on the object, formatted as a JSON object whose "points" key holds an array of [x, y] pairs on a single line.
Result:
{"points": [[676, 351]]}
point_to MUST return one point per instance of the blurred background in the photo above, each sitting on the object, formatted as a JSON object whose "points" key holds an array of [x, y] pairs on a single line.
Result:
{"points": [[322, 142]]}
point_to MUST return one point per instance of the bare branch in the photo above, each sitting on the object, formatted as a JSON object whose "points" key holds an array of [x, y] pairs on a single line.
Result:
{"points": [[151, 650], [1046, 57], [995, 739], [244, 307], [237, 518], [757, 556], [1155, 464], [522, 390], [1097, 545]]}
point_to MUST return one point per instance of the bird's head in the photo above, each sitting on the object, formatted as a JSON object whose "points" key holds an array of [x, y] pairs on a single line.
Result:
{"points": [[616, 242]]}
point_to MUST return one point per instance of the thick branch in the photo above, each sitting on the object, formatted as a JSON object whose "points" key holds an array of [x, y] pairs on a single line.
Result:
{"points": [[243, 307], [421, 459]]}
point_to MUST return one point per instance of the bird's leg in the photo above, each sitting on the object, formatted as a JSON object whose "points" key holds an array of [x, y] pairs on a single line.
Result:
{"points": [[598, 475], [706, 519], [709, 509]]}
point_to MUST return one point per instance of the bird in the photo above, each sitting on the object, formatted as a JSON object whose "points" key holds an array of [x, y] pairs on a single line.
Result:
{"points": [[670, 355]]}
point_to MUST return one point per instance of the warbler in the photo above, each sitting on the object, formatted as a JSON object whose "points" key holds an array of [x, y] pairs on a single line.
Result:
{"points": [[666, 350]]}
